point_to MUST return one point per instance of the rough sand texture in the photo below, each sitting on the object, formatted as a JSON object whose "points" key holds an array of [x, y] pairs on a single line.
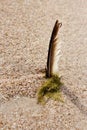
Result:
{"points": [[25, 29]]}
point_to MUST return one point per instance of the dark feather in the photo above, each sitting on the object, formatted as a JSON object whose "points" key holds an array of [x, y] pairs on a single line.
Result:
{"points": [[52, 47]]}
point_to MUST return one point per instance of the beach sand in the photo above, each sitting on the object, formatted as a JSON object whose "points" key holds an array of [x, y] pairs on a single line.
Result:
{"points": [[25, 30]]}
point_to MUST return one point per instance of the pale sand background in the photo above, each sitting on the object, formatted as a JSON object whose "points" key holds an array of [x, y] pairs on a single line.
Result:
{"points": [[25, 29]]}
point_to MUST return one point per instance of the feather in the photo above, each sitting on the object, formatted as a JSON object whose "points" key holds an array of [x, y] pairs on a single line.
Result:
{"points": [[53, 52]]}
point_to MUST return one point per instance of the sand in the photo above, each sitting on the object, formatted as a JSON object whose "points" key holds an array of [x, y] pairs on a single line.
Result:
{"points": [[25, 29]]}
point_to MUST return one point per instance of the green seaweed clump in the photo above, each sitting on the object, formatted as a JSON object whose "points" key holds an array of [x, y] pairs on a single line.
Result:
{"points": [[50, 89]]}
